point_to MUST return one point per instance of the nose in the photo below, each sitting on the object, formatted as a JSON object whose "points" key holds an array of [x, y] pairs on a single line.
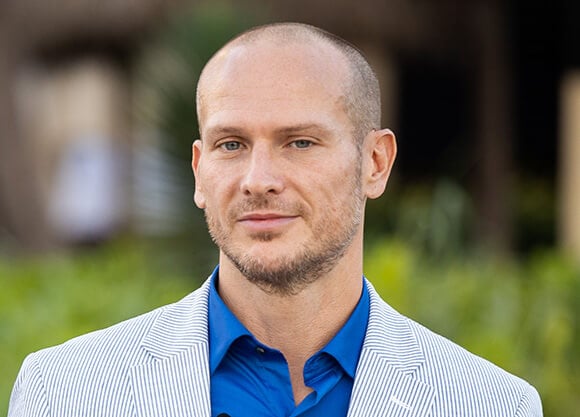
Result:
{"points": [[263, 173]]}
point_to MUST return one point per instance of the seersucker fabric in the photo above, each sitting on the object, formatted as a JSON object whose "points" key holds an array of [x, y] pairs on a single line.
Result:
{"points": [[157, 365]]}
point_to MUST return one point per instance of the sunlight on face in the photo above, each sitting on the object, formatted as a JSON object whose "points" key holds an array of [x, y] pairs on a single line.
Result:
{"points": [[278, 173]]}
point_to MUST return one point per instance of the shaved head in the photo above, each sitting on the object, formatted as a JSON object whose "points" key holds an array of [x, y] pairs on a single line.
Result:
{"points": [[360, 87], [290, 150]]}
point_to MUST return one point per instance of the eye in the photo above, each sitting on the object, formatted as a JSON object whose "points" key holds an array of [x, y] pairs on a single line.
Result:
{"points": [[302, 143], [231, 145]]}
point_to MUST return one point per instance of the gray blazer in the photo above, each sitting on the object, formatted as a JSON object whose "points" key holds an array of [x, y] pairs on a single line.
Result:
{"points": [[157, 365]]}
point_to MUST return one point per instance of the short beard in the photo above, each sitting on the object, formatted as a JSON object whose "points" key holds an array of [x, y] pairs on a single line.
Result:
{"points": [[293, 274]]}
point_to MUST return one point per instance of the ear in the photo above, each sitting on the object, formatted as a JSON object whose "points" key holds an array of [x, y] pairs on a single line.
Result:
{"points": [[379, 152], [198, 196]]}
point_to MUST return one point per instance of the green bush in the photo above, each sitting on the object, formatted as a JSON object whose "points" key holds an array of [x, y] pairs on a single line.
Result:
{"points": [[525, 317], [45, 302]]}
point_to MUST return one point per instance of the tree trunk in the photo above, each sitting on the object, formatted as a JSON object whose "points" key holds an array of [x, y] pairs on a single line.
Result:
{"points": [[569, 174], [495, 182], [21, 209]]}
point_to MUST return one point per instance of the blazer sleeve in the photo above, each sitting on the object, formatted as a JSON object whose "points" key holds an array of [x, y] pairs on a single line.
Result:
{"points": [[29, 397], [530, 404]]}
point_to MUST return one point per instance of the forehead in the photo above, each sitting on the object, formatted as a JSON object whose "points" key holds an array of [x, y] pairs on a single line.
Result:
{"points": [[273, 79]]}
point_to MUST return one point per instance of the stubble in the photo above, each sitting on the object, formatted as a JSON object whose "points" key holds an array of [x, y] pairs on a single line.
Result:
{"points": [[290, 273]]}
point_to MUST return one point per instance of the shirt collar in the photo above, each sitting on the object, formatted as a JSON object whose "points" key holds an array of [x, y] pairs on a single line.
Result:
{"points": [[224, 326], [346, 345], [225, 329]]}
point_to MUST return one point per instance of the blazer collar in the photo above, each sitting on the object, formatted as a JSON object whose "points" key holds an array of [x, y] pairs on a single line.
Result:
{"points": [[184, 324], [389, 335], [386, 383], [173, 378], [180, 325]]}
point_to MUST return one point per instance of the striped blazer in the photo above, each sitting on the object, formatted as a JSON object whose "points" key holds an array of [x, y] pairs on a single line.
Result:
{"points": [[157, 365]]}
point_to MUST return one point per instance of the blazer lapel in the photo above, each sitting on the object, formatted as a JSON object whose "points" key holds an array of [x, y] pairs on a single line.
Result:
{"points": [[173, 379], [385, 384]]}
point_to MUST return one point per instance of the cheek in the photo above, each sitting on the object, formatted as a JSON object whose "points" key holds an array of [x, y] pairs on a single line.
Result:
{"points": [[344, 188], [215, 193], [329, 192]]}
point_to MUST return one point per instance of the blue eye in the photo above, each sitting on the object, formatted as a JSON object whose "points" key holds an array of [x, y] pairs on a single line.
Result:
{"points": [[231, 146], [302, 143]]}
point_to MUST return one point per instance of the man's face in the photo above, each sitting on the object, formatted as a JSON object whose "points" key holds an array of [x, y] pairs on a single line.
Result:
{"points": [[277, 170]]}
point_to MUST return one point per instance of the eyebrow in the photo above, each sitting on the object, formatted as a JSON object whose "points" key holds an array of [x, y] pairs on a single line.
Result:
{"points": [[285, 130], [304, 127], [224, 131]]}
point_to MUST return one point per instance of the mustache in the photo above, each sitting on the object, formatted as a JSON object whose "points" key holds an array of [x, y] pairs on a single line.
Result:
{"points": [[264, 203]]}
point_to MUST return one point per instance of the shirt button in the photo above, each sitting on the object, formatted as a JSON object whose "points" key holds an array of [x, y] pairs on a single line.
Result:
{"points": [[260, 350]]}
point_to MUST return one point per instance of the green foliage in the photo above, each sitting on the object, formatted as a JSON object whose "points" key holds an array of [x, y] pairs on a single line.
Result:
{"points": [[182, 48], [523, 317], [166, 76], [45, 302], [535, 212], [433, 218]]}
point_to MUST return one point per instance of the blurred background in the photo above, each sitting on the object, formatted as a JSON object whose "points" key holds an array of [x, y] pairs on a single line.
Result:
{"points": [[478, 235]]}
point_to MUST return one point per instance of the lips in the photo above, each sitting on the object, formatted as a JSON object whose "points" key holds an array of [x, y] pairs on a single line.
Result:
{"points": [[264, 216], [265, 221]]}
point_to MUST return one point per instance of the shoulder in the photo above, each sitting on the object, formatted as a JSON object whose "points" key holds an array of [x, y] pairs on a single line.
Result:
{"points": [[472, 381], [459, 364], [461, 379], [120, 339], [101, 360]]}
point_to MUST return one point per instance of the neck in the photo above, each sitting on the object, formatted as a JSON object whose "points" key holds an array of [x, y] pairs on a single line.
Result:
{"points": [[299, 324]]}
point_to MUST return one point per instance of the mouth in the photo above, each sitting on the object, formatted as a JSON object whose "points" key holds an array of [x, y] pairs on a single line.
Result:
{"points": [[265, 221]]}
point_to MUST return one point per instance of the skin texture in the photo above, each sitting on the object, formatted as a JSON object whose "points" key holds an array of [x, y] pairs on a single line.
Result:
{"points": [[283, 185]]}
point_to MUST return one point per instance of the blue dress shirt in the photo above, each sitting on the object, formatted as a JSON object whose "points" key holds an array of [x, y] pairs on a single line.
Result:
{"points": [[249, 378]]}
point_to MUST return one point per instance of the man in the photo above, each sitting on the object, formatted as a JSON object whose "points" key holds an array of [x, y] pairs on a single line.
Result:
{"points": [[290, 150]]}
